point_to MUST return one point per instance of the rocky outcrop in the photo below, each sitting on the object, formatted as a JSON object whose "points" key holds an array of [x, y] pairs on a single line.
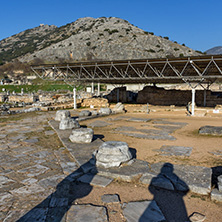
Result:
{"points": [[89, 39]]}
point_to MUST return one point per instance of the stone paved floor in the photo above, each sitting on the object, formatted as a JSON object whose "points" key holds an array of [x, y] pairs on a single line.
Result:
{"points": [[40, 180]]}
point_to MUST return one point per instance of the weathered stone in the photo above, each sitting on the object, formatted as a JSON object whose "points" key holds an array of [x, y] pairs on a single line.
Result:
{"points": [[105, 111], [197, 217], [219, 178], [31, 140], [99, 123], [57, 214], [94, 113], [125, 172], [68, 167], [196, 178], [138, 120], [62, 114], [83, 135], [49, 133], [58, 202], [29, 189], [33, 171], [145, 133], [143, 211], [216, 195], [175, 150], [36, 214], [86, 213], [68, 123], [119, 108], [95, 180], [211, 130], [112, 154], [84, 113], [110, 198]]}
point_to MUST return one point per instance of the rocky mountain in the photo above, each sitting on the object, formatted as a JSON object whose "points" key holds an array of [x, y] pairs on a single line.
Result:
{"points": [[89, 39], [214, 51]]}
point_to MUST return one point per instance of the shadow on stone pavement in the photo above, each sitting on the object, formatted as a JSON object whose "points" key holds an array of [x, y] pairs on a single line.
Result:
{"points": [[168, 190], [56, 205]]}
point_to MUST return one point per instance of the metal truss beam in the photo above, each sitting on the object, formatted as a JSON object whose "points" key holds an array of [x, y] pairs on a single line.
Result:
{"points": [[191, 69]]}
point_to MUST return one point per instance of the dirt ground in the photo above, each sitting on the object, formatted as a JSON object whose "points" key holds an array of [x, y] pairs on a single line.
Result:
{"points": [[186, 136]]}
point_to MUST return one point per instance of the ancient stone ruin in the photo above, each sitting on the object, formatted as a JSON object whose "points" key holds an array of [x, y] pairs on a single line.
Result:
{"points": [[82, 135], [68, 123], [62, 114], [112, 154]]}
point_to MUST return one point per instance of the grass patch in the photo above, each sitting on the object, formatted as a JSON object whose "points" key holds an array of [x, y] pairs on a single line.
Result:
{"points": [[35, 88], [45, 141], [16, 117]]}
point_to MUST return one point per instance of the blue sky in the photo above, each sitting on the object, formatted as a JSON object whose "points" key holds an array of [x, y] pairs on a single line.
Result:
{"points": [[196, 23]]}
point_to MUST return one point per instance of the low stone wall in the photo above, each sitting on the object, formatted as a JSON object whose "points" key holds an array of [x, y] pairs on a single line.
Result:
{"points": [[96, 102], [22, 98], [124, 95]]}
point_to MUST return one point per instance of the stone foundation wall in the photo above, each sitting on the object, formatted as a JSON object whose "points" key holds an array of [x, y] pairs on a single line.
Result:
{"points": [[124, 95], [22, 98], [96, 102], [160, 96]]}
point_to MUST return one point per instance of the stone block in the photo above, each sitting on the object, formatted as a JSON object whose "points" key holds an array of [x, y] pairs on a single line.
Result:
{"points": [[99, 123], [112, 154], [119, 108], [105, 111], [84, 113], [95, 180], [110, 198], [68, 123], [143, 211], [211, 130], [216, 195], [86, 213], [62, 114], [82, 135]]}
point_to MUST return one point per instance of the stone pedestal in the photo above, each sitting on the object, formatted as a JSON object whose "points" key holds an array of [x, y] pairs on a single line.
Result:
{"points": [[62, 114], [68, 123], [112, 154], [83, 135]]}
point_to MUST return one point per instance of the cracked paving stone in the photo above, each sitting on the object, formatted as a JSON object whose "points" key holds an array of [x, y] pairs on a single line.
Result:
{"points": [[34, 170], [33, 140], [49, 133], [5, 181], [175, 150], [58, 202], [93, 179], [51, 182], [99, 123], [36, 214], [29, 189], [110, 198], [143, 211], [86, 213]]}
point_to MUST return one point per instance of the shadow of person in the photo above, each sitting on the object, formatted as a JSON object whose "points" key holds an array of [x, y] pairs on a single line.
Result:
{"points": [[168, 190], [55, 206]]}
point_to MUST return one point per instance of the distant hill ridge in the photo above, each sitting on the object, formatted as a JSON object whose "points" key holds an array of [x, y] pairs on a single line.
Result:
{"points": [[89, 39], [214, 51]]}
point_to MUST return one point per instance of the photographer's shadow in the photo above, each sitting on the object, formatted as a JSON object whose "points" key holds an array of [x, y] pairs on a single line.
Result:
{"points": [[168, 190], [55, 206]]}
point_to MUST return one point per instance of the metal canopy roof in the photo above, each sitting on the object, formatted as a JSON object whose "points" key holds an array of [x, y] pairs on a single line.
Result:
{"points": [[203, 69]]}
